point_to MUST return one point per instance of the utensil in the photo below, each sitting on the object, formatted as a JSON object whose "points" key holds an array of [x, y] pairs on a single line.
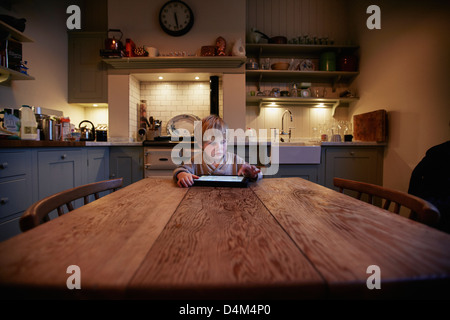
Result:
{"points": [[86, 133], [113, 43]]}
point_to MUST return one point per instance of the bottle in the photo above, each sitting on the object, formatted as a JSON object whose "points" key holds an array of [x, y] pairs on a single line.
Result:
{"points": [[28, 127], [65, 128]]}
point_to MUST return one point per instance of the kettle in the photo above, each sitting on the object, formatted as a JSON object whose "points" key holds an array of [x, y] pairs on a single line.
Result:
{"points": [[87, 134]]}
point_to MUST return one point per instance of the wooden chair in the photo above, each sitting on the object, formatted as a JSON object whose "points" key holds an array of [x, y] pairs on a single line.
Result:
{"points": [[421, 210], [38, 212]]}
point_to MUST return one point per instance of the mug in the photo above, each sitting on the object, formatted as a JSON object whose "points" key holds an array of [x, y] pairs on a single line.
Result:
{"points": [[152, 51]]}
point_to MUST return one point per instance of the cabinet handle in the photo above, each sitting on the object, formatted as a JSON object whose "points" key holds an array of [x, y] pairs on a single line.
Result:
{"points": [[4, 165], [4, 200], [64, 156]]}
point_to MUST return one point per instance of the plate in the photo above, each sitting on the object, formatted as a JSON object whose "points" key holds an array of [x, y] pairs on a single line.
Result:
{"points": [[182, 125], [307, 65]]}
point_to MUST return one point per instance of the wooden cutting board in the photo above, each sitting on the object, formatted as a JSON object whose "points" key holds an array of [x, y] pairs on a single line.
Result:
{"points": [[370, 126]]}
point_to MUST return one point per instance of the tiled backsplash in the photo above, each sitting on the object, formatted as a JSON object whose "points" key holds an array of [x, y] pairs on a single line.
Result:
{"points": [[167, 99]]}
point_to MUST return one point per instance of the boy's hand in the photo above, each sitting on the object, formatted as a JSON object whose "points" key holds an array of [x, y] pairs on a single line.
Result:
{"points": [[186, 179], [249, 171]]}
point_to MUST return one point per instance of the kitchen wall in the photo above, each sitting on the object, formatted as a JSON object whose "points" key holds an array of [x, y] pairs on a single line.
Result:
{"points": [[47, 59], [293, 18], [46, 56], [138, 21], [168, 99], [307, 123], [404, 69]]}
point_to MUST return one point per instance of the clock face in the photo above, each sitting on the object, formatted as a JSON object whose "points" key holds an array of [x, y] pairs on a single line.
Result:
{"points": [[176, 18]]}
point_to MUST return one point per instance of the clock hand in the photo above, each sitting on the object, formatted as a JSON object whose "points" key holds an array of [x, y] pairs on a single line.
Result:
{"points": [[176, 19]]}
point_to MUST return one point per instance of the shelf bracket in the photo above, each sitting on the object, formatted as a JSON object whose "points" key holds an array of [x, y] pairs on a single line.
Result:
{"points": [[259, 83], [335, 82], [335, 105]]}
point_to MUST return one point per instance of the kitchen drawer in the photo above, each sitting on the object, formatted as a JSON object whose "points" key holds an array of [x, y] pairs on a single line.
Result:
{"points": [[13, 163], [15, 196], [158, 159], [10, 228]]}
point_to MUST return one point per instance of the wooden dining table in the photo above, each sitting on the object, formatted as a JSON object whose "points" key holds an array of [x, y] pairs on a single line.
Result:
{"points": [[279, 238]]}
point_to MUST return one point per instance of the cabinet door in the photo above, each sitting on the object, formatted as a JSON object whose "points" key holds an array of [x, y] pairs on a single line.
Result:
{"points": [[97, 164], [87, 73], [126, 163], [58, 170], [361, 164], [307, 172]]}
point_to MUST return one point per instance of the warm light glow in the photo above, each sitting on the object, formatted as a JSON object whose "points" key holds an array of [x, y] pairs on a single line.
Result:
{"points": [[196, 78], [95, 105], [320, 105], [160, 78]]}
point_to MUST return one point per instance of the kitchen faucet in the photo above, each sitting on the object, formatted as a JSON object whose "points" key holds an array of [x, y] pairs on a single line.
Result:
{"points": [[282, 125]]}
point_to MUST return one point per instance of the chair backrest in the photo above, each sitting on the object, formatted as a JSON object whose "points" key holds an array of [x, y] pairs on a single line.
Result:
{"points": [[38, 212], [421, 210]]}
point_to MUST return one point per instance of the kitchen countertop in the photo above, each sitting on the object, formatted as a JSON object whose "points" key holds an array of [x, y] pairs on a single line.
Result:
{"points": [[45, 144]]}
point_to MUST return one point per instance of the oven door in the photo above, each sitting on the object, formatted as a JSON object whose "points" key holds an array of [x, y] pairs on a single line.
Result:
{"points": [[158, 162]]}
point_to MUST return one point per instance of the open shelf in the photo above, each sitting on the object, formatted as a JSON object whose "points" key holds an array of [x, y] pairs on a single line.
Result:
{"points": [[9, 74], [294, 50], [189, 62], [16, 34], [303, 76], [264, 101]]}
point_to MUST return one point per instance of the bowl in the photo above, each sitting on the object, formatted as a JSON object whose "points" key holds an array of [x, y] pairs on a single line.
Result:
{"points": [[280, 66]]}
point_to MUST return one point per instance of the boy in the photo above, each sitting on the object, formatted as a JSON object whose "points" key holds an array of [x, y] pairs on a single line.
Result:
{"points": [[215, 158]]}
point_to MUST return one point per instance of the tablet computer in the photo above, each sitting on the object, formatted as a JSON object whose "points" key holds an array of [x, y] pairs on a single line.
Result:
{"points": [[221, 181]]}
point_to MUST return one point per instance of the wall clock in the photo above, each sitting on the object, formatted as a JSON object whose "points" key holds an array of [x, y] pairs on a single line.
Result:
{"points": [[176, 18]]}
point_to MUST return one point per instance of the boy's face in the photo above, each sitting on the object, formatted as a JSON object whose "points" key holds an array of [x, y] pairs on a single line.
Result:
{"points": [[215, 149]]}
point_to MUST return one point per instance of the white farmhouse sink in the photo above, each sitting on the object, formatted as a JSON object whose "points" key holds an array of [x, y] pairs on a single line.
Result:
{"points": [[299, 151]]}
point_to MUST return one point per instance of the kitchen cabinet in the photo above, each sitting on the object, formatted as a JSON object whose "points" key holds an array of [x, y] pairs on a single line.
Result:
{"points": [[30, 174], [87, 73], [97, 164], [7, 74], [299, 53], [355, 163], [126, 163], [15, 189], [58, 170], [307, 172]]}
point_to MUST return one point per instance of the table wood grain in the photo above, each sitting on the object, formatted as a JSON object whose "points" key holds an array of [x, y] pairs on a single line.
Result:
{"points": [[278, 239]]}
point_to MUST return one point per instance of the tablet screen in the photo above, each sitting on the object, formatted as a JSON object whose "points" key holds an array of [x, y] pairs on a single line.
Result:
{"points": [[221, 178]]}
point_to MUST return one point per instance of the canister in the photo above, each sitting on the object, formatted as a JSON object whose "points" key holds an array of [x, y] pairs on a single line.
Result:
{"points": [[327, 61]]}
